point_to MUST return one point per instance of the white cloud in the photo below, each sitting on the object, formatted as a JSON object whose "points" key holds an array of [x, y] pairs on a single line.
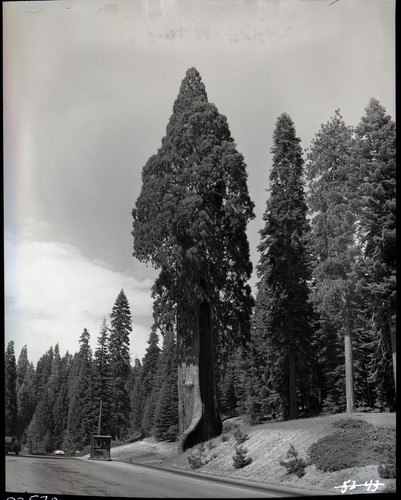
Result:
{"points": [[53, 292]]}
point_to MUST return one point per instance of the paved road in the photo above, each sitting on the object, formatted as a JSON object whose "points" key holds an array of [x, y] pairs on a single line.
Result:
{"points": [[75, 476]]}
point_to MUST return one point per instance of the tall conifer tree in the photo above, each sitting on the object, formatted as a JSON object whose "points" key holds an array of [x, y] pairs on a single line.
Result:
{"points": [[22, 366], [41, 376], [25, 371], [120, 367], [103, 386], [11, 405], [166, 409], [190, 221], [39, 431], [144, 400], [77, 433], [61, 400], [336, 249], [284, 270], [26, 406], [375, 155]]}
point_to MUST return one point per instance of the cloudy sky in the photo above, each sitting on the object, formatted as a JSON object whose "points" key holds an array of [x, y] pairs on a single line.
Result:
{"points": [[88, 90]]}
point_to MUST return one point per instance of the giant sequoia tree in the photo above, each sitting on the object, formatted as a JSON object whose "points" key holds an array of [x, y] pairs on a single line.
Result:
{"points": [[284, 272], [190, 221]]}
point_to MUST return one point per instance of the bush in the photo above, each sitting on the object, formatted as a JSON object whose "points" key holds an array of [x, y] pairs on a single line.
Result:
{"points": [[224, 438], [355, 443], [240, 459], [229, 426], [210, 445], [351, 423], [387, 471], [240, 437], [197, 458], [295, 465]]}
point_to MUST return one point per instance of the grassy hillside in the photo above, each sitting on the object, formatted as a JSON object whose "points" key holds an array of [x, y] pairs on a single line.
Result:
{"points": [[365, 445]]}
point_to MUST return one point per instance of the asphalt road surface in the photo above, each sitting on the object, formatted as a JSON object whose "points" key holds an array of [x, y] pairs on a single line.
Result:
{"points": [[74, 476]]}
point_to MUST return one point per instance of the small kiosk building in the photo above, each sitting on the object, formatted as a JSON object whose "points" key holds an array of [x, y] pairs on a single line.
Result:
{"points": [[100, 447]]}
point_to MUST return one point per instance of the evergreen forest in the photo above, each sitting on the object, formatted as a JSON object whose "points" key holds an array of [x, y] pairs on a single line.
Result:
{"points": [[318, 336]]}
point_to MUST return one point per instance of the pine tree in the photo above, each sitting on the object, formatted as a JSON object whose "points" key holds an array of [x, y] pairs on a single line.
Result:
{"points": [[53, 388], [284, 268], [134, 376], [25, 371], [22, 366], [144, 400], [190, 221], [336, 250], [78, 430], [60, 410], [26, 406], [135, 398], [375, 154], [166, 410], [42, 373], [39, 431], [103, 386], [258, 401], [10, 392], [120, 367]]}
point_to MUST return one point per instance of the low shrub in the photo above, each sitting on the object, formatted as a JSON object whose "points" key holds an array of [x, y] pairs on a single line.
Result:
{"points": [[240, 459], [197, 458], [224, 438], [240, 437], [295, 465], [195, 461], [387, 471], [229, 426], [355, 443], [351, 423]]}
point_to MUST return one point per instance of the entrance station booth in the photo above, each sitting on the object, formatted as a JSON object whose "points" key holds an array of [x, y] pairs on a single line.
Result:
{"points": [[100, 447]]}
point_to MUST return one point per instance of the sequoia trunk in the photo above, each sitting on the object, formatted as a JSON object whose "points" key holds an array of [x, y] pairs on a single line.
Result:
{"points": [[198, 415]]}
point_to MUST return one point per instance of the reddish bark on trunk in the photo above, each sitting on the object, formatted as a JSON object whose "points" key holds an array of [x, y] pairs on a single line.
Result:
{"points": [[198, 415]]}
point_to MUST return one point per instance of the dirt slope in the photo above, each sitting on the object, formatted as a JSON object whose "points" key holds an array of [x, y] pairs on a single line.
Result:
{"points": [[267, 445]]}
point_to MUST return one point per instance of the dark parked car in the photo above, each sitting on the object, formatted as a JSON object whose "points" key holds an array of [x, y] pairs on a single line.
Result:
{"points": [[12, 445]]}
